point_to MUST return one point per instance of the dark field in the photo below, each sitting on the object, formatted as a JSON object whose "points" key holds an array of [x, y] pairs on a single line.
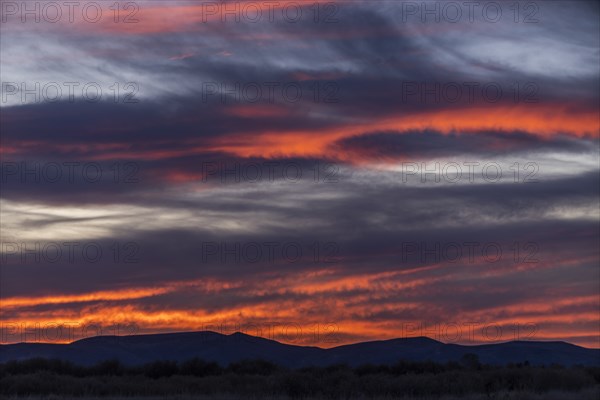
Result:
{"points": [[196, 379], [554, 395]]}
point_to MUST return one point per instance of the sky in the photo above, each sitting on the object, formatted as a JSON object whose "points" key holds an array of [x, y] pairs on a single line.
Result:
{"points": [[314, 172]]}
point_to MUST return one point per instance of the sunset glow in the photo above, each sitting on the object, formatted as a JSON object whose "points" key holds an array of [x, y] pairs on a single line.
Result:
{"points": [[344, 173]]}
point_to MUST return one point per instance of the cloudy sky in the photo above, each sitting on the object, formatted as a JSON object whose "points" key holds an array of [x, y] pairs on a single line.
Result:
{"points": [[316, 172]]}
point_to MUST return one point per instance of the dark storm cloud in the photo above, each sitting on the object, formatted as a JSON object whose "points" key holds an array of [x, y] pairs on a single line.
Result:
{"points": [[383, 67], [367, 228], [430, 144]]}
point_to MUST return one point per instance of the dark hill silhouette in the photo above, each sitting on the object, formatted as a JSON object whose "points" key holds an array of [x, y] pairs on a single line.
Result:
{"points": [[225, 349]]}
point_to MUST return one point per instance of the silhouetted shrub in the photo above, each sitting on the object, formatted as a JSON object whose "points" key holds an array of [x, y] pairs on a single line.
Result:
{"points": [[198, 367], [470, 361], [160, 369], [258, 378], [108, 368], [253, 367]]}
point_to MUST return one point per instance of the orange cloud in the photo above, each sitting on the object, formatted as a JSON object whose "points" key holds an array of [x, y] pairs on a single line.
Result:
{"points": [[542, 120], [352, 308]]}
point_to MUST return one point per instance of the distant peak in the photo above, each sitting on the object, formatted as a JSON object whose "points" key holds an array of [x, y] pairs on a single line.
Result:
{"points": [[416, 339], [238, 334]]}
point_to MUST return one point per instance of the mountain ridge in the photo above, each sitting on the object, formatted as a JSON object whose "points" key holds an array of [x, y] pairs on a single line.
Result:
{"points": [[226, 349]]}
